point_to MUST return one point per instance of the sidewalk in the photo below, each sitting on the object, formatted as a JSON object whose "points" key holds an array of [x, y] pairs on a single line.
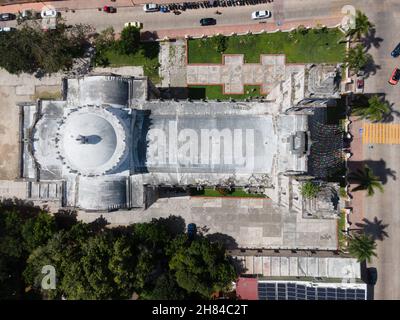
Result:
{"points": [[79, 4], [356, 162], [239, 29]]}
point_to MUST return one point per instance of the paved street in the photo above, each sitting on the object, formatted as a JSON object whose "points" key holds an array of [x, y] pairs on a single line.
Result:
{"points": [[385, 207], [285, 10]]}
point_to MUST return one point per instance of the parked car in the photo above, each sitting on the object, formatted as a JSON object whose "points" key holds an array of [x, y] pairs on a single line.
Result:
{"points": [[191, 230], [7, 16], [208, 21], [109, 9], [135, 24], [7, 29], [263, 14], [396, 51], [372, 276], [48, 13], [28, 14], [360, 85], [150, 7], [395, 76]]}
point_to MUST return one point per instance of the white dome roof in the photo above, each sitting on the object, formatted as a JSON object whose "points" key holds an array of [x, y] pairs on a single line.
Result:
{"points": [[92, 140]]}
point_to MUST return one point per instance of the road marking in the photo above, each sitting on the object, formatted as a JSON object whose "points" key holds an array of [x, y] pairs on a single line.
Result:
{"points": [[381, 133]]}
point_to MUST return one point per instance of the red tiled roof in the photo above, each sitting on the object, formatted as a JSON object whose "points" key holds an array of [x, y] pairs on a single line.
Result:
{"points": [[246, 289]]}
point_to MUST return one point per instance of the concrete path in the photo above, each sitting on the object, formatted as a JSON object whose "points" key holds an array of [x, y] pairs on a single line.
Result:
{"points": [[233, 74], [247, 222]]}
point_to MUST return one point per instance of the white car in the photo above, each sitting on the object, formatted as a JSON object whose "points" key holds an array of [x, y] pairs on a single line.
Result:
{"points": [[7, 29], [135, 24], [48, 14], [263, 14], [150, 7]]}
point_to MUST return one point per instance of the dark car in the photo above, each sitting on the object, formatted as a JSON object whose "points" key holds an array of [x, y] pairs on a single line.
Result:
{"points": [[109, 9], [395, 77], [372, 276], [191, 230], [208, 21], [396, 51], [7, 16]]}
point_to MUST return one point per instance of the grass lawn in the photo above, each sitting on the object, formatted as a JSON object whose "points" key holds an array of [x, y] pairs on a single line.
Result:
{"points": [[315, 46], [237, 192], [215, 92], [147, 57]]}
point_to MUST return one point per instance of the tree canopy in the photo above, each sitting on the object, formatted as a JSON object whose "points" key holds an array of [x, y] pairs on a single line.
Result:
{"points": [[156, 260], [362, 247], [29, 49], [375, 110]]}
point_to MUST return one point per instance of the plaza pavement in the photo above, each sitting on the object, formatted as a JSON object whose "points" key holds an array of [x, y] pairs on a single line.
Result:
{"points": [[242, 222]]}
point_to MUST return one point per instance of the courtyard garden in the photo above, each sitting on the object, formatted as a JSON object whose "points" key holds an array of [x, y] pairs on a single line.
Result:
{"points": [[320, 45], [299, 46], [224, 192]]}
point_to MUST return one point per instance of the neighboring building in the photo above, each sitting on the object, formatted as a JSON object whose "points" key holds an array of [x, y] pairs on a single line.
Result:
{"points": [[300, 278], [110, 144]]}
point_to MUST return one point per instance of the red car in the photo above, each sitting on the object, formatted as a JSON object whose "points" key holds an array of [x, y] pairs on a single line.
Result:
{"points": [[395, 76], [109, 9]]}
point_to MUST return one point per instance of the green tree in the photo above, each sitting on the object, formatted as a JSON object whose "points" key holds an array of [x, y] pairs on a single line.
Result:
{"points": [[220, 43], [200, 266], [165, 288], [366, 180], [310, 190], [376, 110], [362, 27], [29, 49], [129, 41], [356, 58], [362, 247], [38, 230]]}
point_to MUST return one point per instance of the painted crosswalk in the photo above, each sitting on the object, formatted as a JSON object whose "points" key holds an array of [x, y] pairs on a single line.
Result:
{"points": [[381, 133]]}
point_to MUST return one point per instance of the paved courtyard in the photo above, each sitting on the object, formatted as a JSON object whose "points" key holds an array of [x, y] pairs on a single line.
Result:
{"points": [[252, 223], [233, 74]]}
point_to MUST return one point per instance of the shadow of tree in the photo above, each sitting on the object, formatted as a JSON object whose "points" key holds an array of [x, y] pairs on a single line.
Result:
{"points": [[227, 241], [378, 168], [374, 228], [65, 219], [371, 40], [99, 224], [175, 225], [371, 68], [238, 265], [25, 207]]}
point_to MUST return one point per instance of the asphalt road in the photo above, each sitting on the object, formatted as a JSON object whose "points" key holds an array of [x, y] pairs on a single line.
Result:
{"points": [[385, 15], [288, 10]]}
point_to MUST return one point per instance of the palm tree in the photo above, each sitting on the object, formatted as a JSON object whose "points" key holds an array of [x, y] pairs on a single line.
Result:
{"points": [[376, 110], [362, 27], [356, 58], [366, 180], [362, 247]]}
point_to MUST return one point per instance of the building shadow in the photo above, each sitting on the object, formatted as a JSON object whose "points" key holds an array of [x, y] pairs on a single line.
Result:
{"points": [[170, 93], [374, 228]]}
